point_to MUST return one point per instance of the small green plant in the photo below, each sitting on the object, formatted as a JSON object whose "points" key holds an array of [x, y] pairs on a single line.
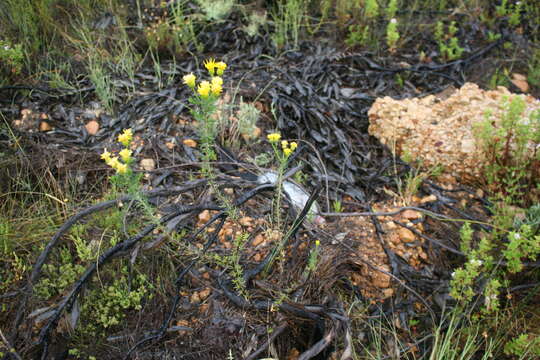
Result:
{"points": [[313, 258], [106, 307], [337, 206], [392, 35], [204, 99], [358, 35], [448, 42], [237, 271], [281, 154], [399, 81], [391, 9], [173, 33], [11, 60], [499, 78], [288, 20], [522, 244], [102, 80], [300, 177], [519, 246], [511, 145], [125, 180], [5, 244], [492, 37], [512, 11], [248, 115], [525, 346], [216, 10], [238, 122], [533, 76], [255, 21], [58, 277], [371, 9]]}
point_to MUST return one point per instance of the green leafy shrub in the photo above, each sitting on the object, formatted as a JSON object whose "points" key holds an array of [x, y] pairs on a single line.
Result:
{"points": [[526, 346], [11, 60], [511, 146], [216, 10], [447, 40], [57, 277], [106, 306]]}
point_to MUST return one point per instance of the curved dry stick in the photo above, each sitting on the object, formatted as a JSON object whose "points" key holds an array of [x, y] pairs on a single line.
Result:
{"points": [[281, 328], [292, 231], [423, 236], [9, 348], [319, 345]]}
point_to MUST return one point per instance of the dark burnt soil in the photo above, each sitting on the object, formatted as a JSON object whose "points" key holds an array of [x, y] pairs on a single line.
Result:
{"points": [[319, 94]]}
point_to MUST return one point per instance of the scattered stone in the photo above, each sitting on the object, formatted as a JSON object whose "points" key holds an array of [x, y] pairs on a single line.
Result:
{"points": [[520, 81], [411, 214], [246, 221], [92, 127], [256, 132], [427, 199], [204, 216], [170, 145], [259, 239], [293, 354], [44, 126], [195, 298], [380, 280], [183, 323], [190, 142], [406, 235], [388, 293], [203, 294], [148, 164]]}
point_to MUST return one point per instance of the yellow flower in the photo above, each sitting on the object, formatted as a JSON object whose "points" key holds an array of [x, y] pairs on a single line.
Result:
{"points": [[284, 144], [121, 168], [293, 145], [106, 155], [210, 65], [189, 80], [126, 137], [204, 89], [113, 162], [216, 80], [274, 137], [216, 89], [221, 66], [287, 151], [125, 155], [317, 243]]}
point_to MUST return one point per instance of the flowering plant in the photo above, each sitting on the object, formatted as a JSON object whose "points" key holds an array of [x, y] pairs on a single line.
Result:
{"points": [[204, 98], [125, 180]]}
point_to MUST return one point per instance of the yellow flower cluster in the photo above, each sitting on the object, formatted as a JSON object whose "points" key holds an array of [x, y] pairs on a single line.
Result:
{"points": [[288, 148], [274, 137], [189, 80], [215, 68], [125, 154], [207, 88], [125, 137]]}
